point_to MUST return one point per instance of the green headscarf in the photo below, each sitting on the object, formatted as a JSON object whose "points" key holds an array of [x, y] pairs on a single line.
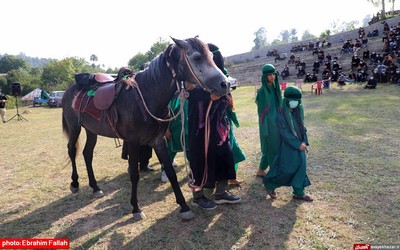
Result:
{"points": [[269, 69], [293, 93]]}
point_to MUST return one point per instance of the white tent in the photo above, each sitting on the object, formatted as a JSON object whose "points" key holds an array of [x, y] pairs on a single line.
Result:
{"points": [[34, 93]]}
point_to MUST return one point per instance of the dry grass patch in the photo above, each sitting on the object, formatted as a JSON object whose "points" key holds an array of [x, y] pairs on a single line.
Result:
{"points": [[353, 167]]}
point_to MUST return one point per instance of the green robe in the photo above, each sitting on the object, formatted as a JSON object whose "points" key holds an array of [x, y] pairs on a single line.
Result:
{"points": [[175, 127], [238, 154], [268, 100], [289, 167]]}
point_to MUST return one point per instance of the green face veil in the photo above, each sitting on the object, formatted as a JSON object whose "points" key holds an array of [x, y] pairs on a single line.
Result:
{"points": [[292, 93]]}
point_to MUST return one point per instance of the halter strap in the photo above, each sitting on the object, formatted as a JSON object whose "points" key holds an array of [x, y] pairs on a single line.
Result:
{"points": [[191, 70]]}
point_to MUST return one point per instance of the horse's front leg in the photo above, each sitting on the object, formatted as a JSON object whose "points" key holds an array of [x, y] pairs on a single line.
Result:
{"points": [[133, 170], [161, 151], [91, 140]]}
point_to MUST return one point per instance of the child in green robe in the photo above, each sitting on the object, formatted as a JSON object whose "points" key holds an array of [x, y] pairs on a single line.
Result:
{"points": [[289, 167]]}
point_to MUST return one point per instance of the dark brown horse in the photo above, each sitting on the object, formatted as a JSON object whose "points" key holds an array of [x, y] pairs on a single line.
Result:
{"points": [[185, 60]]}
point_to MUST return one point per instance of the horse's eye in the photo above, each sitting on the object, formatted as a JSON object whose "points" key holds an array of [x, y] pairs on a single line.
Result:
{"points": [[197, 58]]}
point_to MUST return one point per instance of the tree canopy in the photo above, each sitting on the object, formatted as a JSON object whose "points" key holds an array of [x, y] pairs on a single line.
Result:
{"points": [[260, 41], [140, 58], [9, 62]]}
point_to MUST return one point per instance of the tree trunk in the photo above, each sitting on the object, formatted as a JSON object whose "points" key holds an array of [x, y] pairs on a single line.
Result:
{"points": [[383, 17], [393, 6]]}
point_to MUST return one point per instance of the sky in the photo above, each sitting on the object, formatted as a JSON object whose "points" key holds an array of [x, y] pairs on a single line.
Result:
{"points": [[117, 30]]}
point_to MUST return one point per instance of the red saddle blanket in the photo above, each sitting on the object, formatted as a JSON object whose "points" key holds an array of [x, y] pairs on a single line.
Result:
{"points": [[84, 103]]}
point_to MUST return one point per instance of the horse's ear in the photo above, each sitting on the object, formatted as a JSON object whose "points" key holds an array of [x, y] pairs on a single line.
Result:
{"points": [[180, 43]]}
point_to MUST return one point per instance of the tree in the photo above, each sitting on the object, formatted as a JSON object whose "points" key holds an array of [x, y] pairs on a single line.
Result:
{"points": [[293, 37], [137, 60], [140, 58], [307, 36], [381, 3], [277, 42], [261, 39], [60, 74], [94, 59], [29, 79], [324, 34], [157, 48], [338, 26], [285, 35], [366, 20], [9, 62]]}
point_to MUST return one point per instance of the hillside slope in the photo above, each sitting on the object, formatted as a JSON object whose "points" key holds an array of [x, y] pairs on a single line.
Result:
{"points": [[247, 67]]}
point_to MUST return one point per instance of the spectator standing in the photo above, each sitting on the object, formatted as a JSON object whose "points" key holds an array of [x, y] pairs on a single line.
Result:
{"points": [[3, 100]]}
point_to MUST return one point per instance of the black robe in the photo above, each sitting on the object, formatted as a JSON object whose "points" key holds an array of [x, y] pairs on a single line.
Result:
{"points": [[220, 157]]}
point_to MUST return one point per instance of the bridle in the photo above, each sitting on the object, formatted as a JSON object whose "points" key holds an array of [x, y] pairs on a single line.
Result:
{"points": [[183, 94], [191, 69]]}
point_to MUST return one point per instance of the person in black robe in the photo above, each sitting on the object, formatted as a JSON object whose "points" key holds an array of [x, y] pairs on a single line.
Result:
{"points": [[211, 157]]}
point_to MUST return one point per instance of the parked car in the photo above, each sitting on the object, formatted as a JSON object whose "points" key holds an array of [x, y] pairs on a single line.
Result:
{"points": [[43, 98], [234, 83], [55, 99]]}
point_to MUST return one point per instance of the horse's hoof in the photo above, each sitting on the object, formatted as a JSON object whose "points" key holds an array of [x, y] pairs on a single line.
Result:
{"points": [[74, 189], [187, 215], [98, 194], [139, 216]]}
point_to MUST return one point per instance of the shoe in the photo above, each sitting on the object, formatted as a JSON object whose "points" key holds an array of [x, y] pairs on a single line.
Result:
{"points": [[260, 173], [235, 182], [146, 169], [164, 177], [304, 197], [204, 203], [226, 198], [272, 193]]}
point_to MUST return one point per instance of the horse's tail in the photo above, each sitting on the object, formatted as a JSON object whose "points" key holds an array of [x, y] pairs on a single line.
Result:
{"points": [[65, 126], [67, 131]]}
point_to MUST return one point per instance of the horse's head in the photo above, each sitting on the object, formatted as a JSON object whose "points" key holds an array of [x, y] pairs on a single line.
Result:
{"points": [[194, 63]]}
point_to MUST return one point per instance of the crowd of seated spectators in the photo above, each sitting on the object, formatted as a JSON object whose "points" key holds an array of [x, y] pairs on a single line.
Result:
{"points": [[381, 65]]}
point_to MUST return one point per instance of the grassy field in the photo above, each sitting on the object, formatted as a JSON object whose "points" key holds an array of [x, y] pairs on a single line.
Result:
{"points": [[353, 165]]}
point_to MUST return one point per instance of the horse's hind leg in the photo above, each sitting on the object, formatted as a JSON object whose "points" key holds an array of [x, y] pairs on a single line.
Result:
{"points": [[161, 151], [91, 140], [72, 145]]}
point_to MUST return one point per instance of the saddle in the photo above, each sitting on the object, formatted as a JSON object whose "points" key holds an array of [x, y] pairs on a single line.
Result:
{"points": [[88, 81], [104, 96], [99, 85], [96, 96]]}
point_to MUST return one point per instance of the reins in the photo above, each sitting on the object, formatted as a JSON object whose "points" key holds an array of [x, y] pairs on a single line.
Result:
{"points": [[182, 93], [206, 144]]}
